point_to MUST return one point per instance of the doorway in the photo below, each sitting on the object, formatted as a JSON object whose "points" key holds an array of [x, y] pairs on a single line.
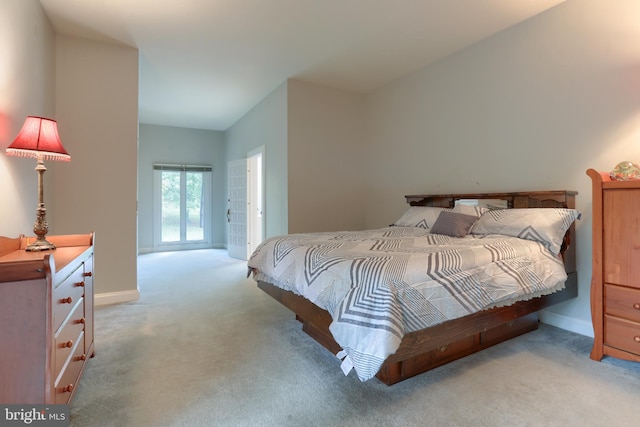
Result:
{"points": [[182, 206], [255, 190], [245, 204]]}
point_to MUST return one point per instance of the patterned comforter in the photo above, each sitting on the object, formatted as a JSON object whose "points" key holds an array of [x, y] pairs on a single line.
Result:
{"points": [[381, 284]]}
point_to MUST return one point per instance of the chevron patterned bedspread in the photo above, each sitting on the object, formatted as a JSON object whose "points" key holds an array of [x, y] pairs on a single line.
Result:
{"points": [[381, 284]]}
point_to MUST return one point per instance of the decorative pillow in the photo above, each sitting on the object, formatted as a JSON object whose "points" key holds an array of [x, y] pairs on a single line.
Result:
{"points": [[545, 225], [453, 224], [474, 210], [420, 216]]}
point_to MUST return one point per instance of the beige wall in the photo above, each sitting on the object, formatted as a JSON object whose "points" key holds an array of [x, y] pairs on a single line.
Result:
{"points": [[326, 143], [530, 108], [97, 110], [27, 71], [92, 90]]}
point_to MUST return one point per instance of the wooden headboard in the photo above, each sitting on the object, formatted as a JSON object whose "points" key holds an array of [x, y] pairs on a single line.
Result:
{"points": [[519, 200]]}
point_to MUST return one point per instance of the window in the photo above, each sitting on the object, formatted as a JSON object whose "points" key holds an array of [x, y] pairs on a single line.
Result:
{"points": [[182, 206]]}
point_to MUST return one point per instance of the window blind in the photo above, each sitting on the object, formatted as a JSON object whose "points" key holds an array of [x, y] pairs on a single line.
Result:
{"points": [[186, 168]]}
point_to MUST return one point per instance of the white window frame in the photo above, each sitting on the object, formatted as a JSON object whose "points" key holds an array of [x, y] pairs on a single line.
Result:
{"points": [[206, 171]]}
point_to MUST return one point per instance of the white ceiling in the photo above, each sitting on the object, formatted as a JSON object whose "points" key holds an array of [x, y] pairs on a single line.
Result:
{"points": [[205, 63]]}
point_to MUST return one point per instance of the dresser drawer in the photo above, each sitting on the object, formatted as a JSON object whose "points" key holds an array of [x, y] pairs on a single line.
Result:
{"points": [[622, 302], [68, 380], [66, 295], [46, 307], [69, 334], [622, 334]]}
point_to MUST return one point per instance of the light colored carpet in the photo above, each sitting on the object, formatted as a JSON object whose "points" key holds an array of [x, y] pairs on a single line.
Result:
{"points": [[205, 347]]}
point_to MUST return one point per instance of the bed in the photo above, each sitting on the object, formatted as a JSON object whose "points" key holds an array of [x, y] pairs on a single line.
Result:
{"points": [[520, 246]]}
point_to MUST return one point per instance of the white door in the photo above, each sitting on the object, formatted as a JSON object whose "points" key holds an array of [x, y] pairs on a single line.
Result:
{"points": [[255, 198], [237, 244]]}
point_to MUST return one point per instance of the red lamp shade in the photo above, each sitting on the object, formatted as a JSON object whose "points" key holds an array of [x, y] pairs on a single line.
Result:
{"points": [[39, 137]]}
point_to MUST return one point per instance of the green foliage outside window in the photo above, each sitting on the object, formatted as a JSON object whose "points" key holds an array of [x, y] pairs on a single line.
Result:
{"points": [[171, 193]]}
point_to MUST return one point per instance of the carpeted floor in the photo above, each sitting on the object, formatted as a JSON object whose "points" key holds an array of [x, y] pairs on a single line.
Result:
{"points": [[204, 347]]}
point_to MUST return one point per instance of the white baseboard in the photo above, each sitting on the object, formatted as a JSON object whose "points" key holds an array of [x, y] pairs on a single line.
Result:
{"points": [[567, 323], [116, 297], [169, 248]]}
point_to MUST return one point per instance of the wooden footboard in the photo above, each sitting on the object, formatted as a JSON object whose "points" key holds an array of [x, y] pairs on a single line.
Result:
{"points": [[426, 349]]}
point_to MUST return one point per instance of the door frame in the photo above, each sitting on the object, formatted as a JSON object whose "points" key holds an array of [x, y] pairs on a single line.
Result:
{"points": [[255, 196]]}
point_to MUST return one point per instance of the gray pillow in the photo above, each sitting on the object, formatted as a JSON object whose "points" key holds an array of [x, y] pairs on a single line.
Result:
{"points": [[453, 224]]}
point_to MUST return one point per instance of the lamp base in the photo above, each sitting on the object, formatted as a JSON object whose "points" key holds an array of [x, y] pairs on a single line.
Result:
{"points": [[40, 227], [40, 245]]}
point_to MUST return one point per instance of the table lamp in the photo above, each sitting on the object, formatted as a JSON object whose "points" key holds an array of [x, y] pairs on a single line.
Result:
{"points": [[39, 139]]}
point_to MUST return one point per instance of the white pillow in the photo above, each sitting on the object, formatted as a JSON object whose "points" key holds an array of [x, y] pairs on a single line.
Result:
{"points": [[420, 216], [545, 225], [470, 210]]}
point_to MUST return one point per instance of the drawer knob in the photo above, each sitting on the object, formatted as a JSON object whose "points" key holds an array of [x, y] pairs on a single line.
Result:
{"points": [[67, 389], [636, 306], [81, 320], [66, 300], [80, 284], [87, 274], [636, 339], [68, 344], [82, 357]]}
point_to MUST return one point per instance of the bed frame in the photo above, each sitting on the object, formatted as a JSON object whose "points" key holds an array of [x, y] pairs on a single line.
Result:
{"points": [[428, 348]]}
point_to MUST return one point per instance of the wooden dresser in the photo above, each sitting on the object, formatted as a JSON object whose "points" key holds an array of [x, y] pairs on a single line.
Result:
{"points": [[615, 281], [46, 318]]}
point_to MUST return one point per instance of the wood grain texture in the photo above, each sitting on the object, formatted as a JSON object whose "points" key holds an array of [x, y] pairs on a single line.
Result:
{"points": [[615, 278]]}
